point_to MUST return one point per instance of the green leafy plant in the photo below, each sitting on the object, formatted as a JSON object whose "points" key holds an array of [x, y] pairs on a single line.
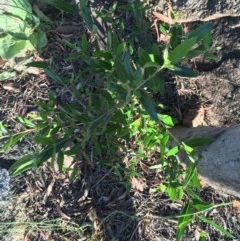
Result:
{"points": [[114, 109], [19, 29]]}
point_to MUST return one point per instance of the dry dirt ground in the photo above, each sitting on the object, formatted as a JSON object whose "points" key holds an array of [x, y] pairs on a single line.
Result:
{"points": [[49, 207]]}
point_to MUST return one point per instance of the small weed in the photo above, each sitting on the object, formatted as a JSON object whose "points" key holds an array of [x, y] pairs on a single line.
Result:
{"points": [[114, 106]]}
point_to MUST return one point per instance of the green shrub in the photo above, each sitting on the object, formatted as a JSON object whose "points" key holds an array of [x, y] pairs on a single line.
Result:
{"points": [[114, 108]]}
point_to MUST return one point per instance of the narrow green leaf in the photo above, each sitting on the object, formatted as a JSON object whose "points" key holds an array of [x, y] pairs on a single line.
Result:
{"points": [[218, 227], [172, 192], [191, 171], [192, 193], [211, 56], [75, 173], [43, 140], [185, 72], [25, 122], [149, 105], [54, 76], [63, 5], [3, 129], [86, 14], [166, 119], [60, 159], [23, 164], [183, 221], [188, 149], [195, 142], [173, 151], [103, 118], [175, 39], [38, 64], [151, 64], [162, 29], [19, 36], [200, 32], [207, 39], [181, 50], [166, 56], [195, 182], [202, 206], [84, 43], [128, 65], [12, 140], [120, 70], [158, 166]]}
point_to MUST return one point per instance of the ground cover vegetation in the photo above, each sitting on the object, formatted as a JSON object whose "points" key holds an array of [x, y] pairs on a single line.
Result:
{"points": [[114, 117]]}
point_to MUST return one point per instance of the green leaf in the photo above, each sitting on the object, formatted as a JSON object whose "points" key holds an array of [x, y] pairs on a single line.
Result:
{"points": [[162, 29], [166, 119], [9, 47], [185, 72], [60, 160], [86, 15], [216, 226], [191, 172], [18, 36], [211, 56], [25, 122], [3, 130], [202, 206], [103, 118], [172, 192], [43, 140], [173, 151], [54, 76], [200, 32], [75, 173], [12, 24], [181, 50], [192, 193], [175, 39], [64, 6], [183, 221], [144, 56], [156, 84], [84, 43], [12, 140], [37, 64], [148, 105], [120, 70], [38, 39], [195, 182], [207, 39], [195, 142], [166, 56], [50, 150], [121, 48], [188, 149], [151, 64], [19, 8], [8, 74], [23, 164]]}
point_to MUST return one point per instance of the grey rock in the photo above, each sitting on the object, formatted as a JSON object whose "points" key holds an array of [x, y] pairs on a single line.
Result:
{"points": [[4, 184], [219, 162]]}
